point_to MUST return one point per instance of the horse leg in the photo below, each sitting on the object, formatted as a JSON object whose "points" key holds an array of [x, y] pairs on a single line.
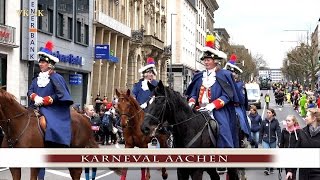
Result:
{"points": [[16, 173], [213, 173], [197, 174], [34, 173], [182, 174], [144, 174], [75, 173], [123, 174], [164, 173], [232, 174]]}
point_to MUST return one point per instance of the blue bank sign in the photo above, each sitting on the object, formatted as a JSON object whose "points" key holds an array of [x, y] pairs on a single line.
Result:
{"points": [[67, 58], [75, 79], [102, 52]]}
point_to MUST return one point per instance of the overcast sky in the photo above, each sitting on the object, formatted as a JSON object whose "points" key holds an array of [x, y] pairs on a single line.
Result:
{"points": [[260, 24]]}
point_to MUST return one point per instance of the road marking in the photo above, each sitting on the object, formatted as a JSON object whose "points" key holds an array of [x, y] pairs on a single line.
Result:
{"points": [[106, 174], [67, 175], [117, 146], [264, 107], [3, 169]]}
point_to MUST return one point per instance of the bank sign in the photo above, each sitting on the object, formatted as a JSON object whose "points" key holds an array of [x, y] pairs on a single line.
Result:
{"points": [[32, 50], [102, 52], [75, 79], [67, 58]]}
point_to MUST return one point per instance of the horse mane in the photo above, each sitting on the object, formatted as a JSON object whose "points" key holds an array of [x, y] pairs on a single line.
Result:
{"points": [[177, 98], [7, 96], [133, 101]]}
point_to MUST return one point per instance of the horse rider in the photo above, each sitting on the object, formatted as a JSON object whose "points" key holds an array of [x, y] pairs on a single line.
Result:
{"points": [[214, 90], [140, 89], [243, 99], [49, 92]]}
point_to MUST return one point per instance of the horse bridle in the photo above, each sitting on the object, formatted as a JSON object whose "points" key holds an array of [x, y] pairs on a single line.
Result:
{"points": [[161, 121], [129, 117], [13, 141]]}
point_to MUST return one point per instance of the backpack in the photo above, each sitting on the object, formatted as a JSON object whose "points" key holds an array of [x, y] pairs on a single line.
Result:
{"points": [[105, 120]]}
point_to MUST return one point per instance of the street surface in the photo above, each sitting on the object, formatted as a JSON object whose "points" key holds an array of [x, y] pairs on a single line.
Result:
{"points": [[134, 174]]}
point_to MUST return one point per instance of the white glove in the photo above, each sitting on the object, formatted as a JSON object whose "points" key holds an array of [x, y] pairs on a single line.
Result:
{"points": [[144, 105], [191, 104], [210, 107], [38, 101]]}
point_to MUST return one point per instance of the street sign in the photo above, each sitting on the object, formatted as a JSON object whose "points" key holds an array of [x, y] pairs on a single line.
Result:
{"points": [[75, 79], [102, 52]]}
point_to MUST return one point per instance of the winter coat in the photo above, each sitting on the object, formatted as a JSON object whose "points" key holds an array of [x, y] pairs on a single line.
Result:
{"points": [[289, 139], [256, 121], [270, 131], [306, 141]]}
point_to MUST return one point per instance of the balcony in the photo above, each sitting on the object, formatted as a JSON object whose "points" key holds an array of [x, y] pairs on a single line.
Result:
{"points": [[153, 42]]}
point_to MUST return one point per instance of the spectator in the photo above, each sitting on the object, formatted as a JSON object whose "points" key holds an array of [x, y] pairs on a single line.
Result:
{"points": [[256, 120], [98, 102], [309, 137], [289, 138], [89, 112], [270, 132], [267, 100]]}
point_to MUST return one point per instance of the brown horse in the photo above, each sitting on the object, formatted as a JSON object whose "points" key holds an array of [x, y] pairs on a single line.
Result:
{"points": [[22, 130], [131, 119]]}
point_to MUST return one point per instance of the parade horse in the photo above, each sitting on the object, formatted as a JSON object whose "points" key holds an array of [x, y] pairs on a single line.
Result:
{"points": [[191, 128], [131, 119], [22, 129]]}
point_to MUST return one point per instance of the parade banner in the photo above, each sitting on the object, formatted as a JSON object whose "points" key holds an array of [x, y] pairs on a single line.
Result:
{"points": [[22, 157]]}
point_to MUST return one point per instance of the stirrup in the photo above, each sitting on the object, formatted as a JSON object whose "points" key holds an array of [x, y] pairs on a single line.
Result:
{"points": [[222, 170]]}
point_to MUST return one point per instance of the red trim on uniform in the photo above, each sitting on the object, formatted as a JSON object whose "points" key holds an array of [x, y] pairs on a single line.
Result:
{"points": [[47, 100], [32, 96], [218, 103]]}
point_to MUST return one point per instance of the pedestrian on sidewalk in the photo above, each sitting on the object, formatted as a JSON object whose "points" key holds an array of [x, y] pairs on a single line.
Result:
{"points": [[309, 137], [302, 104], [270, 133], [267, 100], [289, 138], [256, 121]]}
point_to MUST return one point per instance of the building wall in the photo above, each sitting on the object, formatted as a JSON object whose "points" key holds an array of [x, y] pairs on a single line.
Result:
{"points": [[10, 53], [75, 38], [201, 31]]}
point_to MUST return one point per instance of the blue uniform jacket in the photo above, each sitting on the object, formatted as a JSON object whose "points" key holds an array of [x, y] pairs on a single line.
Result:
{"points": [[241, 109], [141, 95], [58, 113], [224, 88]]}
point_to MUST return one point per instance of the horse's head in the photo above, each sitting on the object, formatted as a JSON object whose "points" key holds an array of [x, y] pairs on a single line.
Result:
{"points": [[127, 107], [158, 111]]}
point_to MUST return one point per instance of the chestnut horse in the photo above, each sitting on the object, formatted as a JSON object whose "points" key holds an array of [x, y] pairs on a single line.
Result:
{"points": [[131, 119], [22, 130]]}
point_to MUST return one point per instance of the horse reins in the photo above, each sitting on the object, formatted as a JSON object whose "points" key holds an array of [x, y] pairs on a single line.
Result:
{"points": [[162, 121], [126, 114], [13, 141]]}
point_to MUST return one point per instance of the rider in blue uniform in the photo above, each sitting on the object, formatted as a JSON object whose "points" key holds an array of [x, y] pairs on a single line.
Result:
{"points": [[141, 90], [243, 99], [49, 92], [214, 90]]}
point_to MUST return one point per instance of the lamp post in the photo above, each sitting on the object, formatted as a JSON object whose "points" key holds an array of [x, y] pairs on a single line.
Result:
{"points": [[170, 65]]}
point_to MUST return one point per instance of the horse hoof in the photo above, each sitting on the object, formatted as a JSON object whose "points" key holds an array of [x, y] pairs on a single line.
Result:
{"points": [[165, 176]]}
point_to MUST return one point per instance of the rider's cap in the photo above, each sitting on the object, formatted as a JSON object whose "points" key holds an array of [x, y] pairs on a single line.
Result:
{"points": [[231, 65], [150, 66], [45, 54], [209, 50]]}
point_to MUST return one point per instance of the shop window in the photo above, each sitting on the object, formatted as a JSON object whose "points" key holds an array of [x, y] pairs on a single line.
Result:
{"points": [[82, 22], [3, 70], [2, 11], [64, 14], [45, 23]]}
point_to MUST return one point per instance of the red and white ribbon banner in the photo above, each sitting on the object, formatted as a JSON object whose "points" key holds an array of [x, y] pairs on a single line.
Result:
{"points": [[23, 157]]}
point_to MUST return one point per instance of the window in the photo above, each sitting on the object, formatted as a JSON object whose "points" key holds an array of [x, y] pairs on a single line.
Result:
{"points": [[82, 22], [64, 14], [60, 25], [45, 23], [2, 11], [70, 27]]}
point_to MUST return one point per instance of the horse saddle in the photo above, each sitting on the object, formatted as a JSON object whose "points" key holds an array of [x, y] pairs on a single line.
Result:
{"points": [[213, 128], [42, 121]]}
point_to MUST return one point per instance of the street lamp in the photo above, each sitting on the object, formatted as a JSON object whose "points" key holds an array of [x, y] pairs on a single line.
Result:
{"points": [[170, 66]]}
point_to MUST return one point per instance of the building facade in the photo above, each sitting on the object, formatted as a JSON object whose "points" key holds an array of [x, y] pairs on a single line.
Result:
{"points": [[9, 51], [68, 24], [134, 30]]}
